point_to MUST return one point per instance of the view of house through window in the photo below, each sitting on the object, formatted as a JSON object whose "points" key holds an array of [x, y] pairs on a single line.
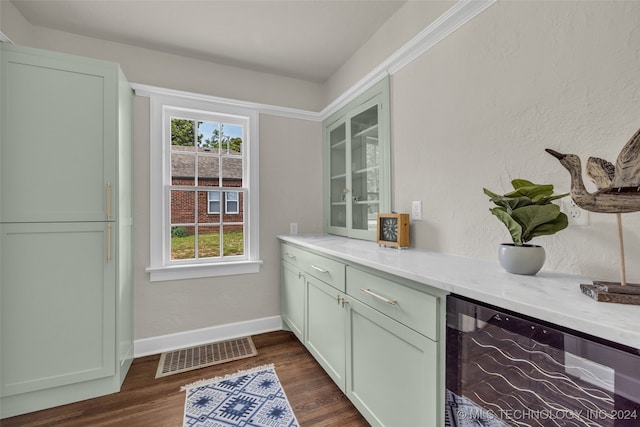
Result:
{"points": [[208, 195]]}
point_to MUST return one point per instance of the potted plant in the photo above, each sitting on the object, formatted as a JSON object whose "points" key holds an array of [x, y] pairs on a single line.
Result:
{"points": [[527, 212]]}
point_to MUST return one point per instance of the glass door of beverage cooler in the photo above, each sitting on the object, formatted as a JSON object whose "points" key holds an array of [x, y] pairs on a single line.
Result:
{"points": [[505, 369]]}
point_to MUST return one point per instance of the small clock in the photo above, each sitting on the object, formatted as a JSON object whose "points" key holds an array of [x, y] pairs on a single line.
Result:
{"points": [[393, 230]]}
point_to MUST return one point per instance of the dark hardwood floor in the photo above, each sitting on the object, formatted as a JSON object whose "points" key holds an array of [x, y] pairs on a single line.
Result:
{"points": [[148, 402]]}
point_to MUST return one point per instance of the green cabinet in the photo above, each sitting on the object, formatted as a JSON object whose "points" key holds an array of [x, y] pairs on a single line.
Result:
{"points": [[357, 164], [378, 336], [66, 223], [392, 371], [325, 338], [293, 296], [86, 325], [312, 303]]}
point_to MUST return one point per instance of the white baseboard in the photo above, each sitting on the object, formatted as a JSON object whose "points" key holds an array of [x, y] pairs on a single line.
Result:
{"points": [[160, 344]]}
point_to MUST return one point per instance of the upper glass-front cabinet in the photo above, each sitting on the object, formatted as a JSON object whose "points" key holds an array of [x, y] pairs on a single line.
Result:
{"points": [[357, 164]]}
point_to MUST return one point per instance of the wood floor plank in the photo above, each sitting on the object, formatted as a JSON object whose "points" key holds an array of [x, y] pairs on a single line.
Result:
{"points": [[145, 401]]}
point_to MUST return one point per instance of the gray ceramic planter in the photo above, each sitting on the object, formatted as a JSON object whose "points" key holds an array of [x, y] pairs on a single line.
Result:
{"points": [[525, 259]]}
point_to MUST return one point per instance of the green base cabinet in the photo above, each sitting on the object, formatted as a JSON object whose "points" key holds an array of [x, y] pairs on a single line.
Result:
{"points": [[392, 370], [376, 335], [325, 337], [293, 296], [66, 229]]}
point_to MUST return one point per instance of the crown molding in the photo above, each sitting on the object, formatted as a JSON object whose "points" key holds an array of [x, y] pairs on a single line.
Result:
{"points": [[272, 110]]}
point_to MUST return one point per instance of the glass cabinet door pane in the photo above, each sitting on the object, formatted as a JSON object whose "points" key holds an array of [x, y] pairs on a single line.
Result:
{"points": [[338, 178], [365, 170]]}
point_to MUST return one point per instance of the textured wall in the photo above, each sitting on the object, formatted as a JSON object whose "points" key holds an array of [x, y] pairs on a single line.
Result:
{"points": [[479, 109]]}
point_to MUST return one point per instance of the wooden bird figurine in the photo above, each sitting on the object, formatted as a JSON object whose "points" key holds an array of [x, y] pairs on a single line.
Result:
{"points": [[618, 192], [618, 186]]}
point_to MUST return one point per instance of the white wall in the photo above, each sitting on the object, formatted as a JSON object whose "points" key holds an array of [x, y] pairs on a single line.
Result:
{"points": [[479, 109]]}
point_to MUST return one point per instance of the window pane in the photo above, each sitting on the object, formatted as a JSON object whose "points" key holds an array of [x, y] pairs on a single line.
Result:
{"points": [[233, 240], [183, 206], [209, 207], [233, 207], [182, 132], [183, 168], [233, 137], [231, 171], [182, 243], [232, 204], [208, 241], [208, 170], [209, 137]]}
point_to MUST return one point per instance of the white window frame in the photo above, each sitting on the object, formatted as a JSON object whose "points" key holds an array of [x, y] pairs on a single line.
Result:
{"points": [[162, 268]]}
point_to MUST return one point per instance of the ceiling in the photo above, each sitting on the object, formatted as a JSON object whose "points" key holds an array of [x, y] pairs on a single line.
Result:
{"points": [[304, 39]]}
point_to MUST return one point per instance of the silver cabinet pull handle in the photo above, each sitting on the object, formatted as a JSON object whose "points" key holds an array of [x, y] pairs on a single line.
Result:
{"points": [[289, 255], [381, 298], [315, 267]]}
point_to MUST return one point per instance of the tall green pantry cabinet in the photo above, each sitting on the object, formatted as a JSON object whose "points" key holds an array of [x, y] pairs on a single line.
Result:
{"points": [[66, 221]]}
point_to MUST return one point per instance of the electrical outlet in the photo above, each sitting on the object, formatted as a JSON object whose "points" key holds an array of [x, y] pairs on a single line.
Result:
{"points": [[577, 215], [416, 210], [293, 228]]}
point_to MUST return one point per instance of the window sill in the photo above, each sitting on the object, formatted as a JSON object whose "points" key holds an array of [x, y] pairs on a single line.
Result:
{"points": [[195, 271]]}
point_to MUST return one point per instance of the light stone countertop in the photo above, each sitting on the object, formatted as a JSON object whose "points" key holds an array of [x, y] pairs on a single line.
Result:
{"points": [[553, 297]]}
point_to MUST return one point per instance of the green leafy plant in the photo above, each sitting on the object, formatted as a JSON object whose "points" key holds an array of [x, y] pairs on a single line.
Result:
{"points": [[527, 211]]}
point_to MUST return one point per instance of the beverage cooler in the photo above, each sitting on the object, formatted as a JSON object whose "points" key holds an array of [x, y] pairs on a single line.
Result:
{"points": [[506, 369]]}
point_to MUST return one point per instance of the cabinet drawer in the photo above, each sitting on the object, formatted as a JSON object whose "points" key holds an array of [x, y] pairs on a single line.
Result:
{"points": [[325, 269], [413, 308], [292, 255]]}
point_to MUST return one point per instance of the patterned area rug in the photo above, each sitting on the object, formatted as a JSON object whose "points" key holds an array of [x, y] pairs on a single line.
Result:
{"points": [[252, 398]]}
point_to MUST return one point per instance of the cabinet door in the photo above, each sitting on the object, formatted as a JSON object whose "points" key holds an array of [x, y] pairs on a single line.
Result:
{"points": [[58, 137], [357, 164], [338, 187], [325, 338], [392, 371], [293, 299], [365, 155], [58, 306]]}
